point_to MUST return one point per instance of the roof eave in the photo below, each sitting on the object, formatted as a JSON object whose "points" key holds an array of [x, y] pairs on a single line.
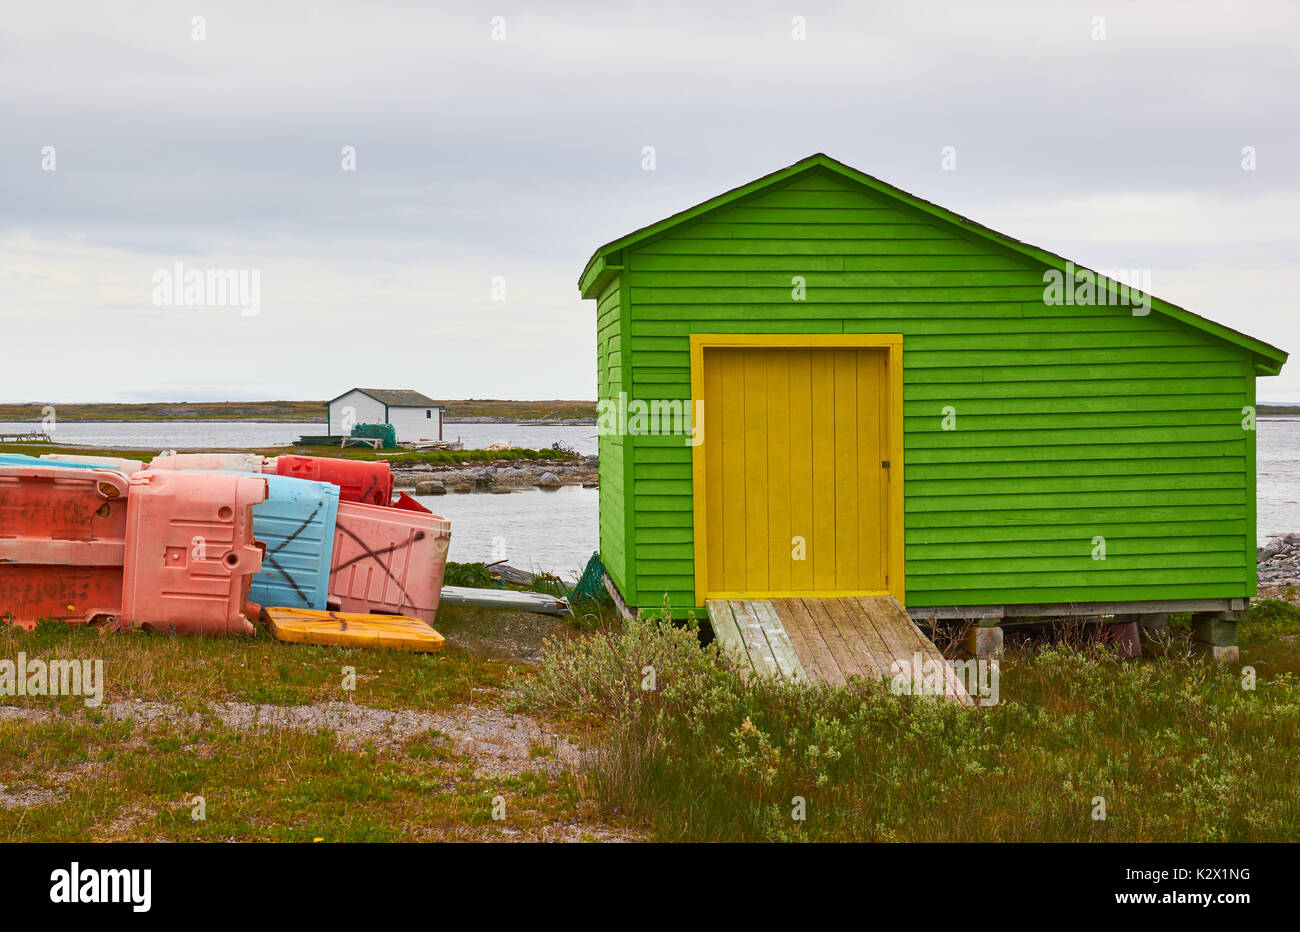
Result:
{"points": [[1268, 366], [599, 272]]}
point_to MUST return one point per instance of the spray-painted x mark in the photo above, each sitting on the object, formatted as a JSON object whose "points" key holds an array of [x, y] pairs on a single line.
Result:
{"points": [[275, 565], [375, 555]]}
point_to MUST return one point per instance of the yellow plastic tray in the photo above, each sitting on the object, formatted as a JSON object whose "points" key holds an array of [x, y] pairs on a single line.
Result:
{"points": [[351, 629]]}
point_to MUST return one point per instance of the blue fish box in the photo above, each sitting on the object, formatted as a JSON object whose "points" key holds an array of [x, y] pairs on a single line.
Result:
{"points": [[297, 523]]}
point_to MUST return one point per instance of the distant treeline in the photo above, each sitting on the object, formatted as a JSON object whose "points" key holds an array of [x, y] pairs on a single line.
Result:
{"points": [[1266, 410], [310, 411]]}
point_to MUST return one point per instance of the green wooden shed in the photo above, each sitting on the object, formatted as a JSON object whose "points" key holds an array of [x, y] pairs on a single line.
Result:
{"points": [[819, 385]]}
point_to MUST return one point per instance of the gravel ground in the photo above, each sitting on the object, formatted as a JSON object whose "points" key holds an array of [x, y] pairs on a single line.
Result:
{"points": [[500, 743]]}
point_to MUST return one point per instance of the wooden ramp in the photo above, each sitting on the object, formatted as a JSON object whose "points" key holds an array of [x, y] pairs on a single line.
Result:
{"points": [[827, 640]]}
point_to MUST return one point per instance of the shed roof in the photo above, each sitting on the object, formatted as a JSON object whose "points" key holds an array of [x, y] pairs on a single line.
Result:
{"points": [[607, 261], [394, 397]]}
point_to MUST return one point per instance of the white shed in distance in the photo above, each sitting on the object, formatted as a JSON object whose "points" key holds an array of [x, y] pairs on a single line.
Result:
{"points": [[413, 415]]}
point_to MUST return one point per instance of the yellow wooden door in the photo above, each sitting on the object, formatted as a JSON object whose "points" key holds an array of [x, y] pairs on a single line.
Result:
{"points": [[796, 486]]}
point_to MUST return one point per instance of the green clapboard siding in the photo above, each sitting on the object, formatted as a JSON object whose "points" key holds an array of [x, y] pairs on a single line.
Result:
{"points": [[1072, 422], [614, 520]]}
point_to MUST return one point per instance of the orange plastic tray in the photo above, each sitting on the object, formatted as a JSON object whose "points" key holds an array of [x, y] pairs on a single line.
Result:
{"points": [[349, 629]]}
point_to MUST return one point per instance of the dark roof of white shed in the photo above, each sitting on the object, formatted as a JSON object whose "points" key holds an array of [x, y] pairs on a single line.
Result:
{"points": [[394, 397]]}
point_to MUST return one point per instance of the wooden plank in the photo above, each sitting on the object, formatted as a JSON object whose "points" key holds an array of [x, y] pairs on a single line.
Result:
{"points": [[778, 639], [802, 418], [873, 450], [756, 645], [731, 476], [617, 596], [715, 426], [963, 612], [895, 631], [779, 488], [848, 613], [818, 662], [821, 540], [845, 416], [1126, 608], [879, 609], [896, 647], [798, 638], [868, 658], [888, 612], [820, 621], [727, 633], [827, 640], [754, 480]]}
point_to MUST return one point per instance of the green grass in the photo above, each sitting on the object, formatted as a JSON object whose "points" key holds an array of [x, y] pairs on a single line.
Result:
{"points": [[96, 776], [87, 774], [1270, 637], [140, 665], [123, 781], [473, 575], [1177, 748]]}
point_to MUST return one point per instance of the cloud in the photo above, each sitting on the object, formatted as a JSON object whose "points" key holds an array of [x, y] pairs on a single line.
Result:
{"points": [[478, 158]]}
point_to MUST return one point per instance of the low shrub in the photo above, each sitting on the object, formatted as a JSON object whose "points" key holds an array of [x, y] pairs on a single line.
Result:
{"points": [[1177, 749]]}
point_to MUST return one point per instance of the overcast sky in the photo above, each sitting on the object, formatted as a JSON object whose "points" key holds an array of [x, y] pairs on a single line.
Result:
{"points": [[479, 157]]}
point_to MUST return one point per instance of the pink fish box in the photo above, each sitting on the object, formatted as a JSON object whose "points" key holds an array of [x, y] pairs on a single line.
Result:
{"points": [[389, 560], [190, 551], [124, 466], [231, 462], [62, 544]]}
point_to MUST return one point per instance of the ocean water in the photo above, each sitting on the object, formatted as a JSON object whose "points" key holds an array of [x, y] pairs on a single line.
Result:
{"points": [[170, 435], [557, 530], [182, 435], [1277, 471], [534, 530]]}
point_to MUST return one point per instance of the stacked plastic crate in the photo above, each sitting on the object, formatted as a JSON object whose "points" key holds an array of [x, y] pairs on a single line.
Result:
{"points": [[197, 543], [389, 557], [84, 544], [62, 542], [191, 553]]}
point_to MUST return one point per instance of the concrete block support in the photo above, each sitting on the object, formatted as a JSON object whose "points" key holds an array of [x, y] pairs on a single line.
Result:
{"points": [[1214, 634]]}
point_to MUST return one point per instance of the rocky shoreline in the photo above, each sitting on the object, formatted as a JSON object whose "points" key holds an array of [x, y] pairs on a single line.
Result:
{"points": [[498, 476], [1278, 562]]}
